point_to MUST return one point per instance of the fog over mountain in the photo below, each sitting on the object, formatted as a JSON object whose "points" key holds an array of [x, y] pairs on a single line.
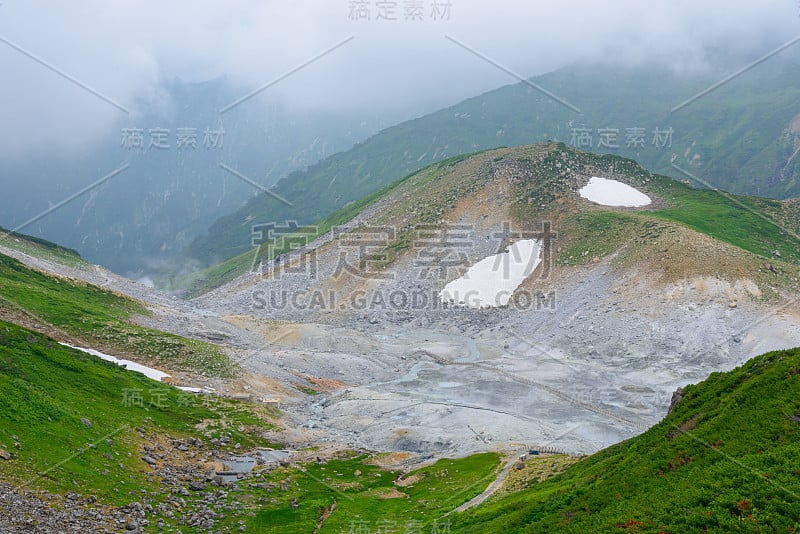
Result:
{"points": [[129, 52], [130, 94]]}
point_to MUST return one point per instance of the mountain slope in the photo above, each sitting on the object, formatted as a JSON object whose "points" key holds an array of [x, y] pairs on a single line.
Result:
{"points": [[40, 248], [90, 316], [741, 138], [170, 186], [111, 448], [725, 459], [760, 226]]}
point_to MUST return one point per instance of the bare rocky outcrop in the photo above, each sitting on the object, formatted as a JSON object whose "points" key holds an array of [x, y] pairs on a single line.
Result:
{"points": [[42, 513], [677, 395]]}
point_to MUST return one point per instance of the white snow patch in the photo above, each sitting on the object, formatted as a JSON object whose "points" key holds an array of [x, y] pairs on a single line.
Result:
{"points": [[492, 281], [191, 389], [149, 372], [613, 193]]}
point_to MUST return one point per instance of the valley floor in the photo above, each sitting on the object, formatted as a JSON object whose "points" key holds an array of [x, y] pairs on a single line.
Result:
{"points": [[456, 382]]}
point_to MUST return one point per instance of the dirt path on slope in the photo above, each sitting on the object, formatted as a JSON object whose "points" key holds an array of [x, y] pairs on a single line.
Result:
{"points": [[492, 488]]}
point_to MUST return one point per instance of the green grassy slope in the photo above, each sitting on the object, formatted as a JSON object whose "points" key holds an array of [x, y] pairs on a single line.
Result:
{"points": [[367, 497], [725, 460], [741, 221], [46, 390], [40, 248], [757, 225], [99, 318]]}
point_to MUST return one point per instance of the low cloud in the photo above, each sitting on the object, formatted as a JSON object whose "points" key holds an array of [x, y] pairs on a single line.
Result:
{"points": [[126, 52]]}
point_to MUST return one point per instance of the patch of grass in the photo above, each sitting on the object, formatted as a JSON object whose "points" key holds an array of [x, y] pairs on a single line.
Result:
{"points": [[535, 470], [598, 233], [738, 220], [308, 390], [195, 284], [366, 496], [60, 301], [40, 248]]}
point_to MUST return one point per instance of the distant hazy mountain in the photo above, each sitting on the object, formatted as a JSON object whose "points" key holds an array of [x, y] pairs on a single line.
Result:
{"points": [[173, 187], [742, 137]]}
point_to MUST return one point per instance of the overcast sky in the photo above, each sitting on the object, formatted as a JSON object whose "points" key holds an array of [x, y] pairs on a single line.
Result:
{"points": [[125, 50]]}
